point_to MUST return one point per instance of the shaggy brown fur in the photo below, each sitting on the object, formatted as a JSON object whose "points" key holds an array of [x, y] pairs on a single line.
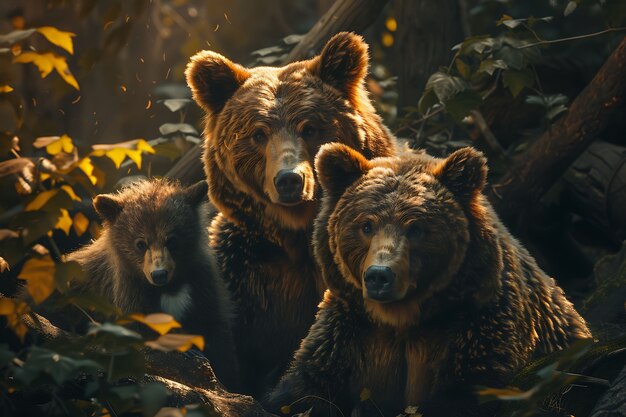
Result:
{"points": [[260, 123], [463, 303], [153, 256]]}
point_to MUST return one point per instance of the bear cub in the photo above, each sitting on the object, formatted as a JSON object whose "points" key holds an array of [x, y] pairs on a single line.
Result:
{"points": [[154, 256], [428, 294]]}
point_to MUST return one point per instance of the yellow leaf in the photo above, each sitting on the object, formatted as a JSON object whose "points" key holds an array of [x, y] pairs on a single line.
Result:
{"points": [[5, 88], [14, 313], [180, 342], [144, 146], [64, 222], [39, 275], [285, 409], [64, 143], [80, 223], [365, 394], [41, 199], [7, 306], [58, 37], [87, 167], [46, 63], [42, 62], [117, 155], [159, 322], [135, 156], [70, 191]]}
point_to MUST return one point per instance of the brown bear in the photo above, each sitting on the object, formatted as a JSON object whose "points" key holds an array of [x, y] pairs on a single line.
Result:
{"points": [[154, 256], [263, 128], [429, 295]]}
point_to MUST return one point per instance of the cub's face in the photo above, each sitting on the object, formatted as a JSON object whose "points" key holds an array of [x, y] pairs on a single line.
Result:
{"points": [[398, 229], [265, 125], [154, 227]]}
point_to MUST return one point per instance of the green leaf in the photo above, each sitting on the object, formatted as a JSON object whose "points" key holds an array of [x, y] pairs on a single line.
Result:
{"points": [[445, 85], [44, 362], [516, 80], [460, 105], [153, 396], [490, 66], [511, 57], [16, 36], [113, 337], [428, 99]]}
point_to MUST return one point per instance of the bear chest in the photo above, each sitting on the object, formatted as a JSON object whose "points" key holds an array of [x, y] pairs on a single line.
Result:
{"points": [[397, 371]]}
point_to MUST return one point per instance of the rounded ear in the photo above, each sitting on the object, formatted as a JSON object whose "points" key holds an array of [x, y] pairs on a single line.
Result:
{"points": [[338, 166], [197, 193], [343, 63], [463, 172], [213, 79], [108, 206]]}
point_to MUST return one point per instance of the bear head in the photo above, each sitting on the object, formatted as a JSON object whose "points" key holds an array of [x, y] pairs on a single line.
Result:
{"points": [[265, 125], [405, 236], [155, 229]]}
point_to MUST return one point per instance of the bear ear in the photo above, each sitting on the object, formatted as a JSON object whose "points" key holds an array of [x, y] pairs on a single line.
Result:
{"points": [[213, 79], [197, 194], [338, 166], [463, 172], [343, 62], [108, 206]]}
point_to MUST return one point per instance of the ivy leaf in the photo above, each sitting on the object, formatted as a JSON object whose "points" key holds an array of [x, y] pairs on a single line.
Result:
{"points": [[59, 368], [58, 37], [445, 85], [39, 276], [62, 144], [80, 223], [159, 322], [491, 65], [516, 80], [460, 105], [41, 199], [64, 222], [175, 104], [180, 342]]}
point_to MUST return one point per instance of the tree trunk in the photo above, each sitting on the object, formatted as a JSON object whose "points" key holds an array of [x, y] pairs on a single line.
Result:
{"points": [[536, 170], [426, 32], [344, 15]]}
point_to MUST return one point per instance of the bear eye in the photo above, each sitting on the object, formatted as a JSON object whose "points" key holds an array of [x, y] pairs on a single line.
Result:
{"points": [[367, 228], [141, 245], [259, 136], [308, 132]]}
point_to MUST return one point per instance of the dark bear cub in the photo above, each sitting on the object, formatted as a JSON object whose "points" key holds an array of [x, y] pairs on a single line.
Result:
{"points": [[153, 256], [263, 129], [429, 295]]}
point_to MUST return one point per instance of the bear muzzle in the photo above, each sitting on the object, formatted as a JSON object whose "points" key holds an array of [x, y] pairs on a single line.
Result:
{"points": [[379, 283], [158, 266], [289, 185]]}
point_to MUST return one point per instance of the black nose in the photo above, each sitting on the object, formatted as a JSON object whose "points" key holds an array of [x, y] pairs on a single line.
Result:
{"points": [[379, 282], [289, 186], [159, 277]]}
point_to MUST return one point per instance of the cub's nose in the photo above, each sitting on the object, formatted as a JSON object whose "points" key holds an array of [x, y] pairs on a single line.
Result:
{"points": [[159, 277], [289, 185], [379, 282]]}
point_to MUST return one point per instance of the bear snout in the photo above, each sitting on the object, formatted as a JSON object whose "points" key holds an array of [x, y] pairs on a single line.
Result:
{"points": [[159, 277], [379, 283], [289, 185]]}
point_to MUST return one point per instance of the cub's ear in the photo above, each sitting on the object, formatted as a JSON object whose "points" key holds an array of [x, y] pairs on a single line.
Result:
{"points": [[338, 166], [463, 172], [343, 63], [197, 194], [108, 206], [213, 79]]}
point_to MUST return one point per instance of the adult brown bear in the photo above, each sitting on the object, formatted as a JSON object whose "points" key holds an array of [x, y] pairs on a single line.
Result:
{"points": [[429, 295], [263, 128]]}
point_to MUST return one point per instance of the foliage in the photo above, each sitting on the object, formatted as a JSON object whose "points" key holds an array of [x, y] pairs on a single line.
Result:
{"points": [[46, 203]]}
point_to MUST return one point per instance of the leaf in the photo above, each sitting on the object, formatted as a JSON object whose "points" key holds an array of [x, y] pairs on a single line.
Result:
{"points": [[80, 223], [66, 273], [87, 167], [14, 311], [153, 396], [5, 88], [4, 265], [39, 276], [460, 105], [64, 222], [569, 9], [462, 68], [144, 146], [70, 192], [170, 128], [516, 80], [58, 37], [285, 409], [16, 36], [490, 65], [41, 199], [60, 368], [365, 394], [116, 155], [46, 63], [428, 99], [62, 144], [445, 85], [159, 322], [175, 104], [180, 342]]}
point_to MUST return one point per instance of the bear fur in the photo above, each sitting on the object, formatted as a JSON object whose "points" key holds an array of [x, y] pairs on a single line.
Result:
{"points": [[262, 123], [153, 256], [429, 295]]}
